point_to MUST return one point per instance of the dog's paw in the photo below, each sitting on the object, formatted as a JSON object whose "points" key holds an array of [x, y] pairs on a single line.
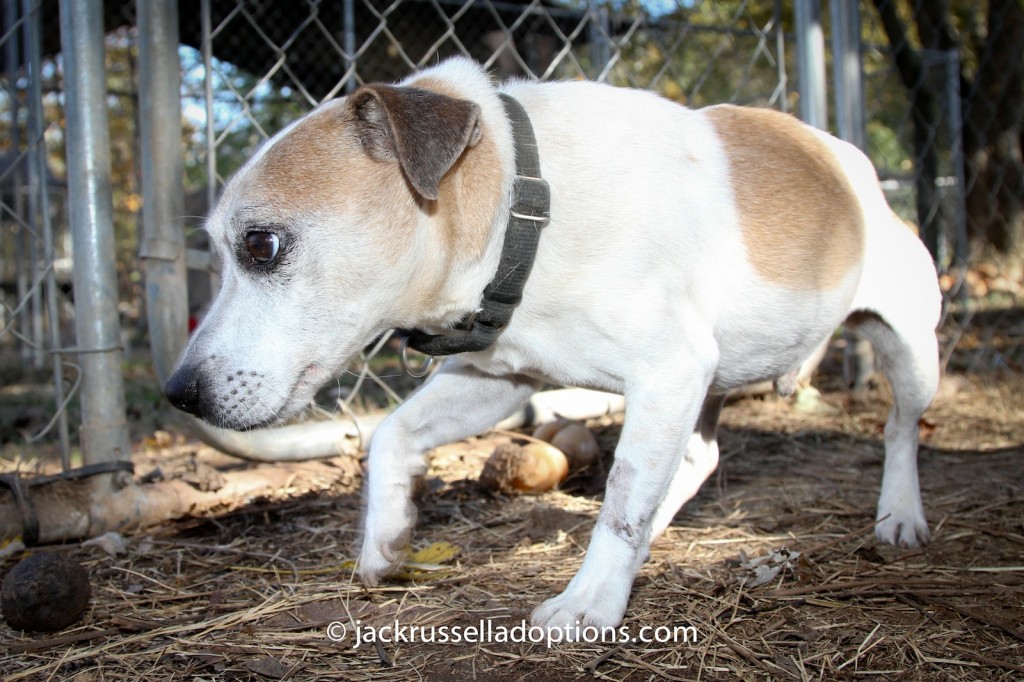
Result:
{"points": [[385, 544], [379, 559], [903, 528], [575, 616]]}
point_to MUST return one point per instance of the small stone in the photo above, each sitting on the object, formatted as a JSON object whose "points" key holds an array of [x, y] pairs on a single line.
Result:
{"points": [[578, 444], [45, 592]]}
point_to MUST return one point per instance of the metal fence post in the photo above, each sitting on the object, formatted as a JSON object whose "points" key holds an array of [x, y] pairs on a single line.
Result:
{"points": [[104, 431], [349, 46], [17, 174], [163, 197], [847, 74], [780, 50], [810, 60], [961, 244], [163, 243], [39, 210], [858, 356], [211, 131], [599, 30]]}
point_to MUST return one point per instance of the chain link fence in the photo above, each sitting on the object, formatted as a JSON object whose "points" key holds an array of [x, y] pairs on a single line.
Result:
{"points": [[252, 67], [36, 311], [944, 89], [942, 100]]}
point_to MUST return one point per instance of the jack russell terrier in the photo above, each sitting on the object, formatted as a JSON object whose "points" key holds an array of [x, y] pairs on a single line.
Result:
{"points": [[680, 254]]}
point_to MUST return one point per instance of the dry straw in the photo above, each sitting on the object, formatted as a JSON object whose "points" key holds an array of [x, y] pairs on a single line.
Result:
{"points": [[248, 591]]}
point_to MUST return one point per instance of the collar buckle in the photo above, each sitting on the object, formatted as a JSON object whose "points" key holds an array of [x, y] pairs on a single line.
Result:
{"points": [[532, 200]]}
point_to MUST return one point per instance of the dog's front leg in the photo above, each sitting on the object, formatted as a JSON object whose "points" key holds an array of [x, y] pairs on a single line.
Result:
{"points": [[457, 402], [659, 420]]}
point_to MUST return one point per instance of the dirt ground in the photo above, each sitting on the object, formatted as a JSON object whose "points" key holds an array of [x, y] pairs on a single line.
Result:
{"points": [[256, 589], [771, 572]]}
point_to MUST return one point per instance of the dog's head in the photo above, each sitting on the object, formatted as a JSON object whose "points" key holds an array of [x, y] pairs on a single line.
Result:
{"points": [[344, 225]]}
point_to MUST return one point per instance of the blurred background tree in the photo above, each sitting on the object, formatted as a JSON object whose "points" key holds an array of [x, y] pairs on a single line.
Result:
{"points": [[988, 40]]}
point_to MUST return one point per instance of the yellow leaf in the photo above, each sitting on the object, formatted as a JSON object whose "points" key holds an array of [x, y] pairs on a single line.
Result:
{"points": [[11, 546], [425, 564], [432, 555]]}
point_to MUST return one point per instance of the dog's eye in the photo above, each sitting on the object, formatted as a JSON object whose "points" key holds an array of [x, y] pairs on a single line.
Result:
{"points": [[262, 246]]}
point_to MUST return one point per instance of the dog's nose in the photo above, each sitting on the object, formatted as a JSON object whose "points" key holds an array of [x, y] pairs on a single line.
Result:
{"points": [[182, 390]]}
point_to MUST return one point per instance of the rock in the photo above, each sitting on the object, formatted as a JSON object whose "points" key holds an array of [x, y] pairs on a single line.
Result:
{"points": [[578, 444], [45, 592]]}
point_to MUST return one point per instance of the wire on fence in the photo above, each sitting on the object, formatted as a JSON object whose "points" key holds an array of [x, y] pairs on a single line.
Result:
{"points": [[942, 98]]}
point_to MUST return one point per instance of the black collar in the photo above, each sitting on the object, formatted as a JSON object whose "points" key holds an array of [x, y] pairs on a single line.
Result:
{"points": [[530, 211]]}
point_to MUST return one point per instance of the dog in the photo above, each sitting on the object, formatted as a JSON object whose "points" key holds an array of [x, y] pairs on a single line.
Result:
{"points": [[687, 253]]}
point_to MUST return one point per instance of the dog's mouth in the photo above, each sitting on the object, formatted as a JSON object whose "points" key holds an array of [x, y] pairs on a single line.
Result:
{"points": [[313, 376], [255, 392], [240, 400], [301, 394]]}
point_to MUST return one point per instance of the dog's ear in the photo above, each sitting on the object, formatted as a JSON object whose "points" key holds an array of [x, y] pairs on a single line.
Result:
{"points": [[424, 131]]}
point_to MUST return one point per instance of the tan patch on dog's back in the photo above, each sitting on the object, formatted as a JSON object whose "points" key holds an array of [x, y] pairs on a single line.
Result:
{"points": [[801, 221]]}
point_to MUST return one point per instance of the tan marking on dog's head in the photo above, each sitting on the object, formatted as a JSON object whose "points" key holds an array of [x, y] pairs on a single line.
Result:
{"points": [[472, 190], [319, 167], [802, 224], [327, 164]]}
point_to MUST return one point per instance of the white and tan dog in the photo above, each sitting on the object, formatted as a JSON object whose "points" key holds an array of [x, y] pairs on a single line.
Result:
{"points": [[688, 253]]}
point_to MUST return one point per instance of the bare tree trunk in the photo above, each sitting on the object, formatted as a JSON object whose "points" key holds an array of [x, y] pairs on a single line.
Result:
{"points": [[993, 106], [924, 112], [995, 119]]}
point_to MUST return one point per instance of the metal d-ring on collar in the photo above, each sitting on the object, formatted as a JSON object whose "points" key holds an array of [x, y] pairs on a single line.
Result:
{"points": [[529, 213], [422, 370]]}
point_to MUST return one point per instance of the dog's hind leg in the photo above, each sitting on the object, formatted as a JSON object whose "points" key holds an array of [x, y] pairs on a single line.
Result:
{"points": [[910, 362], [457, 402], [697, 464], [897, 308]]}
